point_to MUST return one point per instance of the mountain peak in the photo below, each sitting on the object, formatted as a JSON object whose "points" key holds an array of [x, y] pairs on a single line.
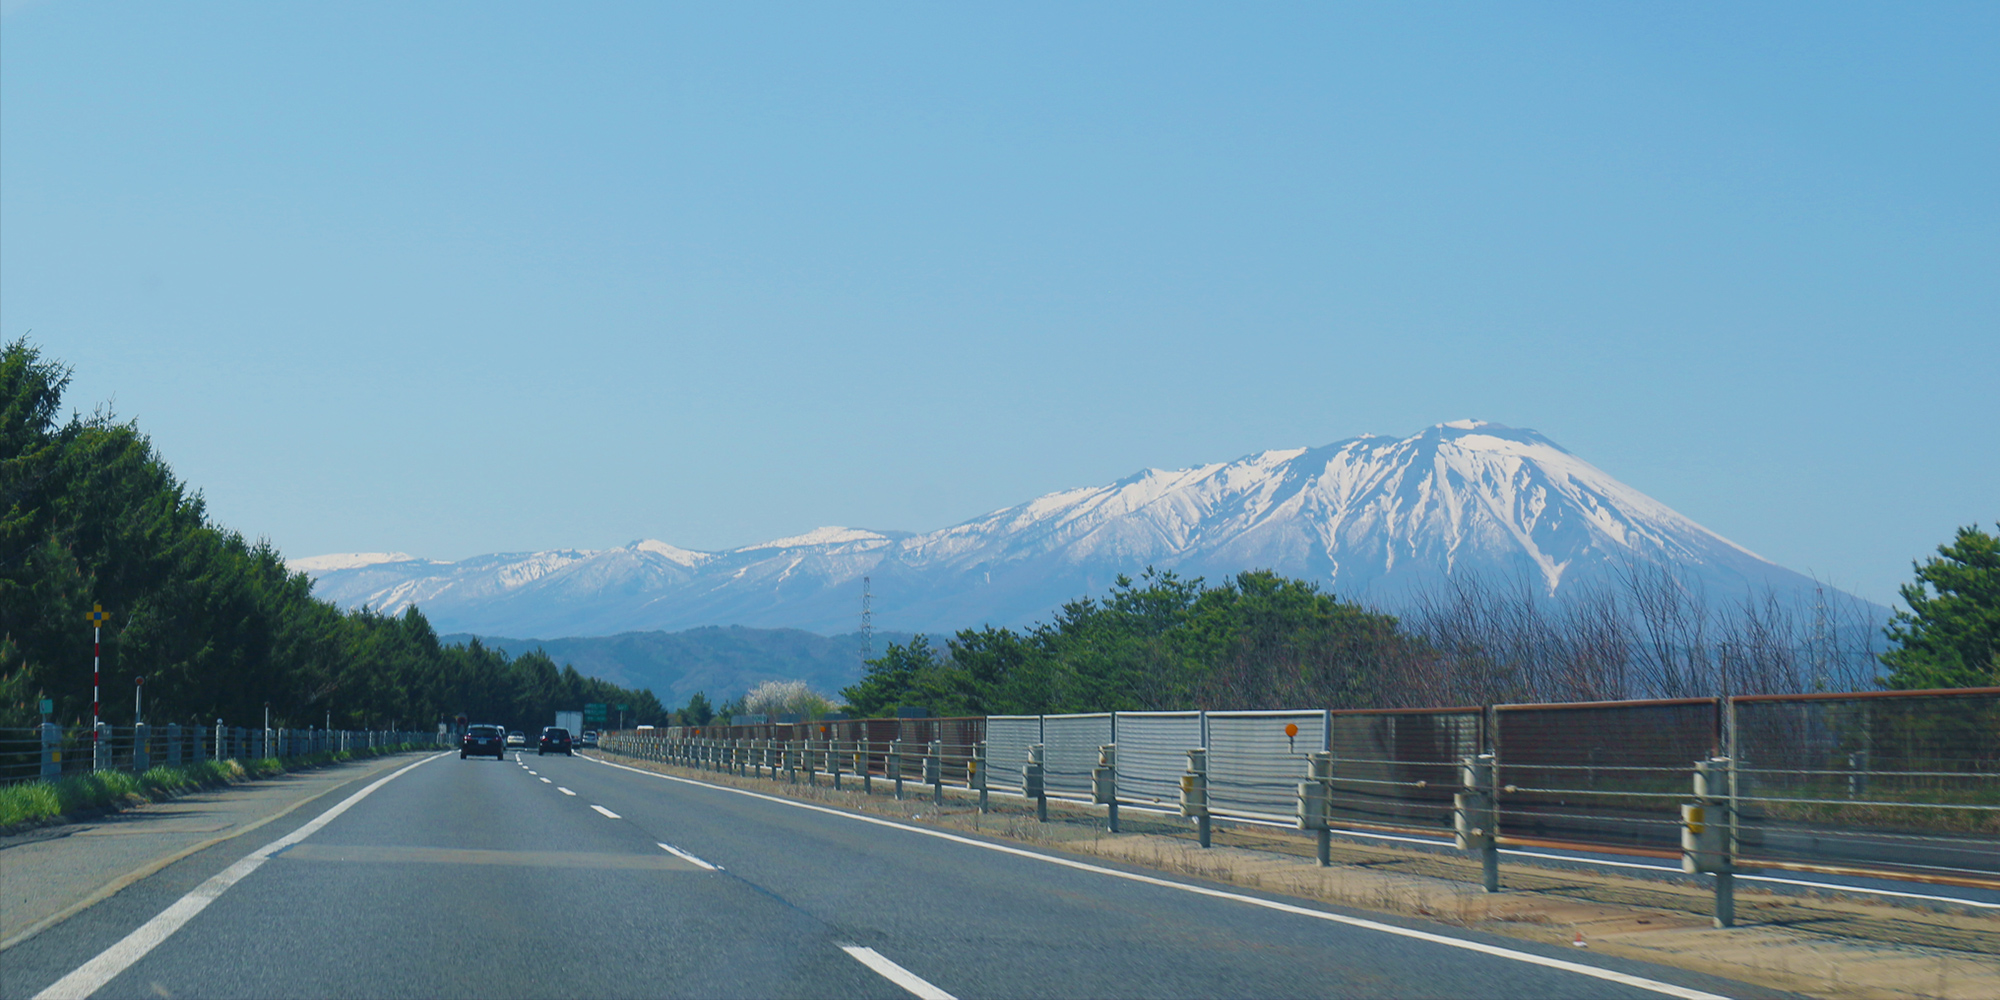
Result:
{"points": [[1372, 518]]}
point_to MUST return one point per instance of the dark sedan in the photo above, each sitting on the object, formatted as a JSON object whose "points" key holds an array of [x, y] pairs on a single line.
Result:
{"points": [[484, 741], [555, 739]]}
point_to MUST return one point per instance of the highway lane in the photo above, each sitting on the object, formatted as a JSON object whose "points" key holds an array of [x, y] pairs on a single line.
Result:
{"points": [[548, 877]]}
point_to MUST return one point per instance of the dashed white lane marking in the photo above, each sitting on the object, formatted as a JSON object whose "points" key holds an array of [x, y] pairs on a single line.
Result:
{"points": [[689, 858], [535, 773], [565, 791], [608, 814], [546, 781], [1640, 982], [91, 976], [895, 973]]}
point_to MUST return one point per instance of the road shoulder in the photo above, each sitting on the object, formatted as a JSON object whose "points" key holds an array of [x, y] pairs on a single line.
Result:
{"points": [[50, 874]]}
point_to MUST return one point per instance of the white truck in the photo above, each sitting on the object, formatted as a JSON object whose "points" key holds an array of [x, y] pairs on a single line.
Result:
{"points": [[572, 721]]}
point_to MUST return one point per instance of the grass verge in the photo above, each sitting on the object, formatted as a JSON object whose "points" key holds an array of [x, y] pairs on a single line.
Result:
{"points": [[32, 802]]}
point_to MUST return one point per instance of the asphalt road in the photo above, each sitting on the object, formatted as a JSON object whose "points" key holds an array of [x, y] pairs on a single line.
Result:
{"points": [[548, 877]]}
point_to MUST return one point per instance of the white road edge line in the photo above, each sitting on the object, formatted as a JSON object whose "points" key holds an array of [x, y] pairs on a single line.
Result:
{"points": [[689, 858], [895, 973], [560, 788], [608, 814], [1640, 982], [92, 976]]}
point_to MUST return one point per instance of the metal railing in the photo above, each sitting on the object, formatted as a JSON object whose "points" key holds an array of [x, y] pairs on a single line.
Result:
{"points": [[50, 751], [1902, 785]]}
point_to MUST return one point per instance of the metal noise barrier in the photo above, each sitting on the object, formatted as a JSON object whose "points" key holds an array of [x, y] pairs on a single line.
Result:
{"points": [[1008, 738], [1070, 745], [1152, 755], [1397, 769], [1898, 784], [1254, 763], [1904, 783], [1610, 774]]}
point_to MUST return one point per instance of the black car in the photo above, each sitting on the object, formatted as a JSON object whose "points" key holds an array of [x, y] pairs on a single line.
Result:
{"points": [[484, 741], [555, 739]]}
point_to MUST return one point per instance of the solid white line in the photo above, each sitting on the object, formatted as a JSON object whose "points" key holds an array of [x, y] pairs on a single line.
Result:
{"points": [[91, 976], [608, 814], [1667, 989], [896, 973], [560, 788], [689, 858]]}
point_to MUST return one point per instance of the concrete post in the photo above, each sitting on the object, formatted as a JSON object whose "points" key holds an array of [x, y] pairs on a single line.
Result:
{"points": [[896, 765], [934, 768], [861, 766], [51, 751], [100, 757], [1104, 783], [1314, 794], [142, 748], [1476, 817], [1032, 775], [975, 772], [1194, 793], [1708, 834]]}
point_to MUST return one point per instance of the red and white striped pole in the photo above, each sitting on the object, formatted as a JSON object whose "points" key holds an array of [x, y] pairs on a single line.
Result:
{"points": [[96, 663]]}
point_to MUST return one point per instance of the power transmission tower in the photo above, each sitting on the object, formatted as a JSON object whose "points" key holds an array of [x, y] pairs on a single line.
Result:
{"points": [[867, 623]]}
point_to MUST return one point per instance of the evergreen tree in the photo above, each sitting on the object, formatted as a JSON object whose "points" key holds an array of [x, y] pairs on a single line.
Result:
{"points": [[1950, 636]]}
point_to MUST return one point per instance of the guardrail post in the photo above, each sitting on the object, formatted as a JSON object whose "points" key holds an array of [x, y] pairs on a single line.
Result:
{"points": [[51, 751], [173, 744], [975, 772], [1032, 784], [1194, 793], [861, 766], [833, 754], [896, 765], [934, 770], [1707, 834], [1475, 816], [100, 756], [142, 748], [1104, 783], [1314, 797]]}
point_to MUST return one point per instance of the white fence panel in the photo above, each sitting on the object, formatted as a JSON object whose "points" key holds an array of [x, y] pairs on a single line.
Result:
{"points": [[1253, 767], [1152, 754], [1008, 738], [1070, 754]]}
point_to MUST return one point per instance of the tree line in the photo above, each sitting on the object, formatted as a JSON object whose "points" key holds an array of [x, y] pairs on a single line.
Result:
{"points": [[216, 625], [1260, 640]]}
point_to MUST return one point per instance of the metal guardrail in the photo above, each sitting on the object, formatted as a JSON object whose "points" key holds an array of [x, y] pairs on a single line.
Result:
{"points": [[50, 751], [1900, 785]]}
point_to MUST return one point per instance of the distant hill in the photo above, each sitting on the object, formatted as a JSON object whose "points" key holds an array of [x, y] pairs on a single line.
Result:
{"points": [[1371, 518], [720, 662]]}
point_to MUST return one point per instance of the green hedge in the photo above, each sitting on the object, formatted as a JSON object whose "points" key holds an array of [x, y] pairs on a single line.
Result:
{"points": [[30, 801]]}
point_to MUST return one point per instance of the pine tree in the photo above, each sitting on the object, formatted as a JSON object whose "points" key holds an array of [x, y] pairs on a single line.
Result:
{"points": [[1950, 636]]}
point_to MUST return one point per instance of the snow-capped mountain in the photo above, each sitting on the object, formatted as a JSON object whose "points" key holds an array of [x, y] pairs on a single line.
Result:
{"points": [[1370, 518]]}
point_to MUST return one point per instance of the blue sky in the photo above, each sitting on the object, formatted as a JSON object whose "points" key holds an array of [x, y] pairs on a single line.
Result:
{"points": [[461, 278]]}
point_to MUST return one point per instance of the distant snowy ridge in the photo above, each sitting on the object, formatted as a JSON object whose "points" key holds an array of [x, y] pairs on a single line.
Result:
{"points": [[1370, 518]]}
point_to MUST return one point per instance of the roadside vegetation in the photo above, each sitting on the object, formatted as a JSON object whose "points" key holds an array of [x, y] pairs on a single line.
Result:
{"points": [[217, 625], [1257, 640], [34, 801]]}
